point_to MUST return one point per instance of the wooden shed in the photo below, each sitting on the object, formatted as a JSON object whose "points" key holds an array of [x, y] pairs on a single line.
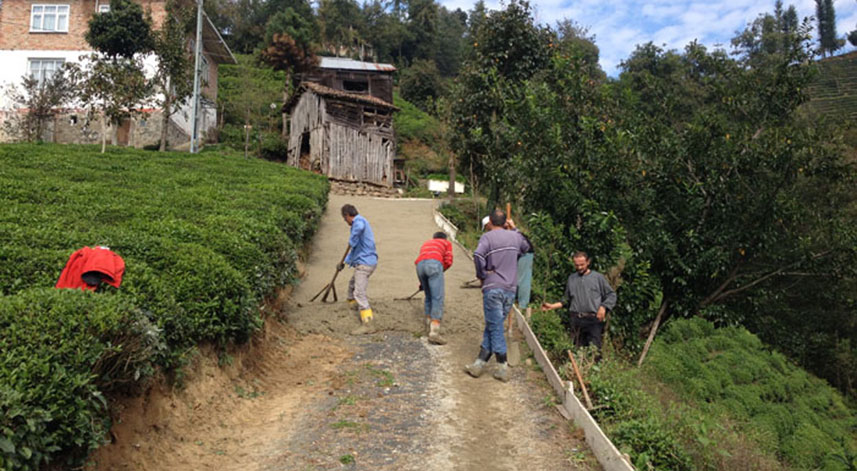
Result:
{"points": [[344, 134]]}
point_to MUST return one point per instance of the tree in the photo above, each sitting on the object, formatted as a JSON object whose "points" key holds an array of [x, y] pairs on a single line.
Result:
{"points": [[289, 47], [508, 48], [574, 40], [826, 16], [385, 30], [450, 42], [123, 31], [173, 78], [423, 23], [242, 22], [340, 25], [112, 81], [421, 83], [770, 37], [41, 100]]}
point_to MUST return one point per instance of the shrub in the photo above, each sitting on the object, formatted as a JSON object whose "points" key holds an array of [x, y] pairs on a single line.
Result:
{"points": [[205, 239], [61, 350]]}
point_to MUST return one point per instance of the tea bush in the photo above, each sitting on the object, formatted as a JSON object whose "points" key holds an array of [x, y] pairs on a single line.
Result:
{"points": [[716, 398], [61, 350], [205, 239]]}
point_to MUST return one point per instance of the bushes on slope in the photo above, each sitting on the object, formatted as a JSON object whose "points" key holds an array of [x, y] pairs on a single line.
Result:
{"points": [[205, 238]]}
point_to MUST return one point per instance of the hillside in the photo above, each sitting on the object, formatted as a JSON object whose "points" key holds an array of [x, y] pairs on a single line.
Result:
{"points": [[205, 239], [834, 93]]}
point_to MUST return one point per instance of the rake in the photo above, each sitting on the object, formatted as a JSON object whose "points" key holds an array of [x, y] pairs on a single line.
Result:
{"points": [[331, 287]]}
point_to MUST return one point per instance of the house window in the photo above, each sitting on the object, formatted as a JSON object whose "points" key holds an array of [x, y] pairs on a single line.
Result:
{"points": [[49, 19], [43, 69], [356, 86]]}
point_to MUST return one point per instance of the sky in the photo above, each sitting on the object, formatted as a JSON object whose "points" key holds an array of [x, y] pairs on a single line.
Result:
{"points": [[620, 25]]}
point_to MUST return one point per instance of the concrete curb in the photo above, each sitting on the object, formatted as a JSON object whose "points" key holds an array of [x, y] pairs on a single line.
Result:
{"points": [[450, 229], [604, 450]]}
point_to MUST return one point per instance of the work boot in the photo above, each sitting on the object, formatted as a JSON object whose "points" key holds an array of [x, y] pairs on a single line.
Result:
{"points": [[428, 325], [352, 303], [502, 371], [365, 328], [476, 368], [434, 334]]}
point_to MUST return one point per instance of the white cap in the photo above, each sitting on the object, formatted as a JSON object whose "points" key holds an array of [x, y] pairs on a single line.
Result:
{"points": [[485, 222]]}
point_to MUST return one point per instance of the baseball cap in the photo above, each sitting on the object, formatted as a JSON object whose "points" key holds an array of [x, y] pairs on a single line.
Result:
{"points": [[485, 221]]}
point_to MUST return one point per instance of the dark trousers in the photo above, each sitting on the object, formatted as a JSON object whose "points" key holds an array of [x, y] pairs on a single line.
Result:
{"points": [[586, 331]]}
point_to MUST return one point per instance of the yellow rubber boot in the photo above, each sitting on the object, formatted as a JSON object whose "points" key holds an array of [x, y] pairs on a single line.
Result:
{"points": [[366, 315]]}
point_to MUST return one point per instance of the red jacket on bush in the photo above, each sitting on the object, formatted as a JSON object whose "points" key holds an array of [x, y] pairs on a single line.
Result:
{"points": [[88, 267]]}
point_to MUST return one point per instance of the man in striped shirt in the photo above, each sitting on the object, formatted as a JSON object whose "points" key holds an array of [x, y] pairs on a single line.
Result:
{"points": [[496, 259], [435, 258]]}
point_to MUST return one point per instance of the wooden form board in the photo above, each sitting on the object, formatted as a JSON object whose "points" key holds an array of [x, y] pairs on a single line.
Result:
{"points": [[443, 223], [604, 450]]}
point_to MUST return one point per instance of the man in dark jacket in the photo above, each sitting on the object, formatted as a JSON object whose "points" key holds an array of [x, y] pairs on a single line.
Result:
{"points": [[588, 297]]}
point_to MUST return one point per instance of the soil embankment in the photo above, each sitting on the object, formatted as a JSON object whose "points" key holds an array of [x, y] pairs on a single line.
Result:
{"points": [[311, 396]]}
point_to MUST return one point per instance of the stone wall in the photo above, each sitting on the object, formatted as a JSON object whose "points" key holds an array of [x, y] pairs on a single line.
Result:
{"points": [[75, 127], [340, 187]]}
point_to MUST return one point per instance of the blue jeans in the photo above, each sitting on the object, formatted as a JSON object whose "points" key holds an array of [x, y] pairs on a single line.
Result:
{"points": [[525, 279], [430, 273], [496, 303]]}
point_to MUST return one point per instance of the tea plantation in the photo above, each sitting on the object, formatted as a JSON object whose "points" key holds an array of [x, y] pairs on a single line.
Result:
{"points": [[716, 399], [205, 239]]}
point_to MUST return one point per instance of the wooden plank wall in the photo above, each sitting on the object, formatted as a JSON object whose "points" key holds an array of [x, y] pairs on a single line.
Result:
{"points": [[307, 116], [343, 152], [356, 156]]}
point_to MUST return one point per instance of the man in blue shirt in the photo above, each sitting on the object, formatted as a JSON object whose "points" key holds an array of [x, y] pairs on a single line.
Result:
{"points": [[363, 258]]}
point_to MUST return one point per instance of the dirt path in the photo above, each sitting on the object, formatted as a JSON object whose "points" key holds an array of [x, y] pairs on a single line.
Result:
{"points": [[314, 397]]}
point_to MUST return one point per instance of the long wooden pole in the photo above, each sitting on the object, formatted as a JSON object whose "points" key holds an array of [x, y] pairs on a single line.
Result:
{"points": [[509, 216], [580, 380], [653, 332]]}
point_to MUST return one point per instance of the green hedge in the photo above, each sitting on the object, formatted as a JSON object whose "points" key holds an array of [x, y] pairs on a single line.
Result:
{"points": [[205, 239]]}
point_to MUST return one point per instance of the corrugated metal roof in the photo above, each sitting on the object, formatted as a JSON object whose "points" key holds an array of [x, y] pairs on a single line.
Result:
{"points": [[329, 92], [351, 64]]}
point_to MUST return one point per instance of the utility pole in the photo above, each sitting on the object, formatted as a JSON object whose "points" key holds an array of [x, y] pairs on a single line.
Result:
{"points": [[194, 136]]}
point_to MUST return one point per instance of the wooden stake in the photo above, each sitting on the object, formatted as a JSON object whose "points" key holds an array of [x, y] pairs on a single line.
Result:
{"points": [[580, 380], [652, 333]]}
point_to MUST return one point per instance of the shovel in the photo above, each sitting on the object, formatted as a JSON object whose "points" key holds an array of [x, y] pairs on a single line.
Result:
{"points": [[330, 286]]}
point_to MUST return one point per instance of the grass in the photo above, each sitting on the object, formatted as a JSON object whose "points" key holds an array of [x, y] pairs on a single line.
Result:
{"points": [[385, 378]]}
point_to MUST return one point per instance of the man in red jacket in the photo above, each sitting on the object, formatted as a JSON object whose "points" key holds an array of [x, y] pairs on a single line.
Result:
{"points": [[434, 259]]}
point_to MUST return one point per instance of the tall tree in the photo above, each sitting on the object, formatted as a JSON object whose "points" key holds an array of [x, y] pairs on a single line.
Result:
{"points": [[174, 76], [770, 37], [340, 25], [450, 41], [423, 22], [290, 42], [113, 82], [826, 16]]}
